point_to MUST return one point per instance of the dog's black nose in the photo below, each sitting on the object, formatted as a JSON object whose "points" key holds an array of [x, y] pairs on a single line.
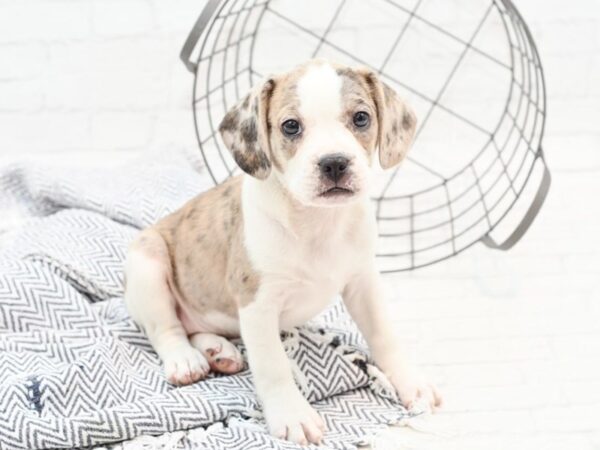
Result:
{"points": [[334, 166]]}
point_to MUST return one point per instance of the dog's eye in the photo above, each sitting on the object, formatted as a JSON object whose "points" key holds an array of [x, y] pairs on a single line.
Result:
{"points": [[291, 127], [361, 119]]}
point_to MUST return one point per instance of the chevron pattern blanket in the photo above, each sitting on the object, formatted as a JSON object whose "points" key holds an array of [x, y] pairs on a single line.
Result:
{"points": [[75, 371]]}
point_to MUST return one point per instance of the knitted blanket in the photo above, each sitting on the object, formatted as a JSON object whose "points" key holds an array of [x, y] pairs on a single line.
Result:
{"points": [[76, 371]]}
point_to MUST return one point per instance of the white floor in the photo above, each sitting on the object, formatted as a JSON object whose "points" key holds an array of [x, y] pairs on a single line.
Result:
{"points": [[513, 339]]}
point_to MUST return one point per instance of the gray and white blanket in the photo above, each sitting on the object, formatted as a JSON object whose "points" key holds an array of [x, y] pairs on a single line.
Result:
{"points": [[75, 371]]}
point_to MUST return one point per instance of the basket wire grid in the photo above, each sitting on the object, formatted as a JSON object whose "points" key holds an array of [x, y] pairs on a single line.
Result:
{"points": [[469, 68]]}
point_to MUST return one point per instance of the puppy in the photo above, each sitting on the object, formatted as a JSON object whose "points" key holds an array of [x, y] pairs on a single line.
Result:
{"points": [[271, 248]]}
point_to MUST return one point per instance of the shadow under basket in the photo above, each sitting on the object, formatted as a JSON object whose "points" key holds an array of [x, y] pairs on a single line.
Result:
{"points": [[470, 70]]}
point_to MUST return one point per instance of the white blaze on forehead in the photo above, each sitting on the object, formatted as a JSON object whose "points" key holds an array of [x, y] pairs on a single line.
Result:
{"points": [[319, 92]]}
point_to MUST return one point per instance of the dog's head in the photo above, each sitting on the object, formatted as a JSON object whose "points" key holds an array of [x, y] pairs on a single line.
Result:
{"points": [[317, 128]]}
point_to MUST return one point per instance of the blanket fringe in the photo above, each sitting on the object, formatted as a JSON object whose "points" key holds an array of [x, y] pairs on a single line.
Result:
{"points": [[419, 432]]}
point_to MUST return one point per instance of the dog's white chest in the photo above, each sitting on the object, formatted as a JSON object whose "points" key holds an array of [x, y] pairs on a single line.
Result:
{"points": [[313, 281], [311, 258]]}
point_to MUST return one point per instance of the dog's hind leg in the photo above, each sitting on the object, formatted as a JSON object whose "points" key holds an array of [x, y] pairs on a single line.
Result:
{"points": [[221, 354], [152, 305]]}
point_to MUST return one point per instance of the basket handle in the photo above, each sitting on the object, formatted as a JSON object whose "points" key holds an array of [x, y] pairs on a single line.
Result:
{"points": [[194, 36], [527, 220]]}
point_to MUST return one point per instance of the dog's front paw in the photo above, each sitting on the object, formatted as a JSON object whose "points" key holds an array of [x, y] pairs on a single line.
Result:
{"points": [[413, 389], [186, 365], [293, 418]]}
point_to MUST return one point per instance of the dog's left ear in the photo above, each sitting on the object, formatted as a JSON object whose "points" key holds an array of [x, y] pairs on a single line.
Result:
{"points": [[396, 121], [245, 131]]}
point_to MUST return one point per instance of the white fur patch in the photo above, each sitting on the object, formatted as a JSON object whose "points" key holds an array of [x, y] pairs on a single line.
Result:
{"points": [[320, 91]]}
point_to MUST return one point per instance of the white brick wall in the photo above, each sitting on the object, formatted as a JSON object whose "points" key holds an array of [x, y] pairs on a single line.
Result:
{"points": [[94, 75], [512, 338], [99, 75]]}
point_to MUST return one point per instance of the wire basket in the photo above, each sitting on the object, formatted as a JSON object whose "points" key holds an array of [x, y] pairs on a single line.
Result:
{"points": [[469, 68]]}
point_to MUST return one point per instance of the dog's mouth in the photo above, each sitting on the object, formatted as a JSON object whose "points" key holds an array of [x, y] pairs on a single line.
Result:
{"points": [[337, 191]]}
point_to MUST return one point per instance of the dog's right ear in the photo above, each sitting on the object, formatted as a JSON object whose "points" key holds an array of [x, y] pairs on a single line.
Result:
{"points": [[245, 130]]}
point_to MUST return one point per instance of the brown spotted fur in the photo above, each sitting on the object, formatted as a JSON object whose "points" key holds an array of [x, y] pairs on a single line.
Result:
{"points": [[204, 239]]}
